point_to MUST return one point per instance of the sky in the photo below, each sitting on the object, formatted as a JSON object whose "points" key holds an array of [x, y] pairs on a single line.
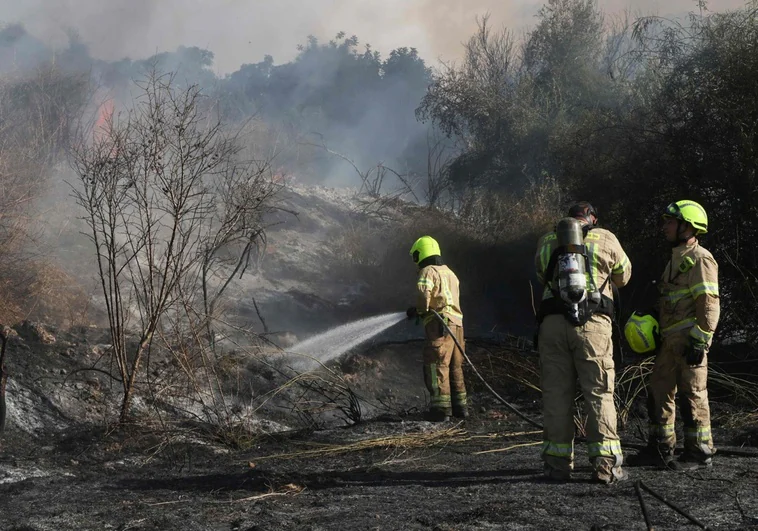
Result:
{"points": [[243, 31]]}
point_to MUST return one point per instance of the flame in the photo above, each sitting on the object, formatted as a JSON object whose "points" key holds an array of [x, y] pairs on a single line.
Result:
{"points": [[104, 119]]}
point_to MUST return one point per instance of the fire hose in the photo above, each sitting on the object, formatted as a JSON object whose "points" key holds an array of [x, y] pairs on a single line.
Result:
{"points": [[473, 367]]}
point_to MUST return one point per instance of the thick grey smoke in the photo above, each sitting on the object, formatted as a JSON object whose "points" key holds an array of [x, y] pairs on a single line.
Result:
{"points": [[240, 31], [445, 24]]}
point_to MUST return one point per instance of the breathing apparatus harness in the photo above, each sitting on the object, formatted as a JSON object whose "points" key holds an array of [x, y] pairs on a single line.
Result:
{"points": [[572, 298]]}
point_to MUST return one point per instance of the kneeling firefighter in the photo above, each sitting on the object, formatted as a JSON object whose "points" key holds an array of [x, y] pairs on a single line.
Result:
{"points": [[438, 290], [688, 311], [580, 266]]}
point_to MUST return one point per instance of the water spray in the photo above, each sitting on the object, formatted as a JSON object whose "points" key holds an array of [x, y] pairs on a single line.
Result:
{"points": [[335, 342]]}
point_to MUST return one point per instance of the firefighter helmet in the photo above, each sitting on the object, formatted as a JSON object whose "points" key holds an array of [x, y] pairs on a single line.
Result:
{"points": [[642, 332], [425, 247], [583, 210], [689, 211]]}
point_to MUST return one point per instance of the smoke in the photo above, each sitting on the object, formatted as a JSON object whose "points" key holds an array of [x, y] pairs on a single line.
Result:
{"points": [[381, 129], [445, 24], [239, 31], [110, 28]]}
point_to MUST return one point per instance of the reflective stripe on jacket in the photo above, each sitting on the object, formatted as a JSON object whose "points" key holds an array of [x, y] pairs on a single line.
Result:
{"points": [[439, 289], [689, 292]]}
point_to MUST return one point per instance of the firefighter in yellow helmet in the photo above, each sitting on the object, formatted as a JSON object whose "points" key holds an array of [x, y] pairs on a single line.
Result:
{"points": [[688, 312], [438, 289], [580, 266]]}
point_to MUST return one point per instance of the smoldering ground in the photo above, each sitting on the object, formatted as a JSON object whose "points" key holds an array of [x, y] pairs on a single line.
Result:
{"points": [[393, 472]]}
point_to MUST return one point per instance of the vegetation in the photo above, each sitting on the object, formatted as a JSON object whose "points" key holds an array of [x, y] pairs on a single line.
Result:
{"points": [[628, 114]]}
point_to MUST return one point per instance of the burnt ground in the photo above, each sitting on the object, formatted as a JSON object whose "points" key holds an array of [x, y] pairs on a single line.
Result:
{"points": [[392, 471]]}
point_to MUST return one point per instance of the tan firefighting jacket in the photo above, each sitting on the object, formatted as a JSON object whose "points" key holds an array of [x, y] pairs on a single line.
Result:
{"points": [[606, 257], [439, 289], [690, 293]]}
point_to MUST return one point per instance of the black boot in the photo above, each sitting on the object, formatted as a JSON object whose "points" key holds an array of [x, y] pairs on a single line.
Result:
{"points": [[437, 415], [460, 412], [650, 456], [691, 461]]}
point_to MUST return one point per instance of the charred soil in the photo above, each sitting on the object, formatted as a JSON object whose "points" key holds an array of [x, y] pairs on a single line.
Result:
{"points": [[392, 470]]}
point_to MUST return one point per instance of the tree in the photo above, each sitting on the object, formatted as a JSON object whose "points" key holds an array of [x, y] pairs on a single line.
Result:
{"points": [[697, 138], [514, 111], [564, 50], [484, 102], [173, 212]]}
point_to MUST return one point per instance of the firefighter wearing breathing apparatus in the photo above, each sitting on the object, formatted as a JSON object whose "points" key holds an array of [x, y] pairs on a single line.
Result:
{"points": [[580, 266], [688, 312], [438, 289]]}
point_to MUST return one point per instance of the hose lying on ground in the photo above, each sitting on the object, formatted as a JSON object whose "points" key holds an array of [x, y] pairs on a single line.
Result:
{"points": [[494, 393]]}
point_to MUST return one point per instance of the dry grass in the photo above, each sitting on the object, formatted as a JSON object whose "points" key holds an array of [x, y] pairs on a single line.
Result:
{"points": [[434, 439], [37, 110], [741, 420], [502, 363], [442, 436], [742, 388], [40, 290], [500, 217], [508, 448], [290, 489], [630, 384]]}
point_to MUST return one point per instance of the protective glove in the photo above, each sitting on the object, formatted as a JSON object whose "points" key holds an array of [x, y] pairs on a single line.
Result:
{"points": [[411, 312], [695, 352]]}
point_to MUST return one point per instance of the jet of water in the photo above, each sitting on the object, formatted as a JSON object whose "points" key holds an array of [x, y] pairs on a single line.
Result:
{"points": [[335, 342]]}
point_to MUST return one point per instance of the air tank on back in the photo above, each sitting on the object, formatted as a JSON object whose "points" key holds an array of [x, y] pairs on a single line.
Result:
{"points": [[572, 280]]}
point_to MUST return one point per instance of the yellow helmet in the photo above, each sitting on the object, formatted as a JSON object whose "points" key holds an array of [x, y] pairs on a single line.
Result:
{"points": [[425, 247], [691, 212], [642, 332]]}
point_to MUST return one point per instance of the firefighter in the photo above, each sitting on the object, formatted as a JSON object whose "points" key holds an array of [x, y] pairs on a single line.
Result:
{"points": [[580, 266], [688, 312], [438, 289]]}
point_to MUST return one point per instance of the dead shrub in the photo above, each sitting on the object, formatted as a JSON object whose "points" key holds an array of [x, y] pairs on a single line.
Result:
{"points": [[37, 110], [501, 217], [175, 211], [43, 291]]}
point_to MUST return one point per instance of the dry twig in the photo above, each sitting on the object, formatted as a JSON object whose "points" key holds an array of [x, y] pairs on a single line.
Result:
{"points": [[674, 506], [643, 505], [419, 440], [513, 446]]}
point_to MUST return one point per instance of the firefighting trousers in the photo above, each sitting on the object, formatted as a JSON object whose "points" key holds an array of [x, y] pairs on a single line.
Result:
{"points": [[585, 353], [443, 367], [671, 376]]}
